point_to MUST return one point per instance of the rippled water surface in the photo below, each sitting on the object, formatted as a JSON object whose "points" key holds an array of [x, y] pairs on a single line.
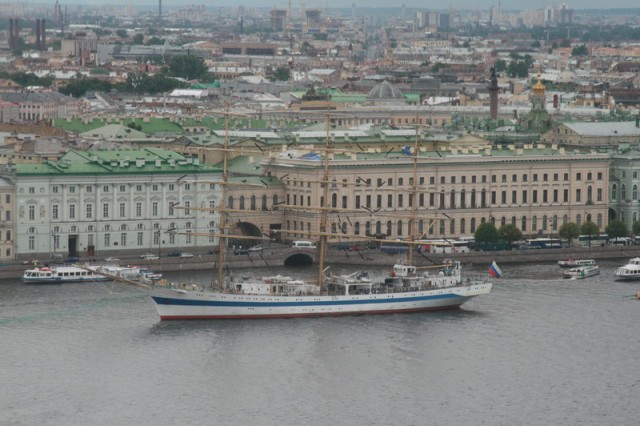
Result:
{"points": [[538, 350]]}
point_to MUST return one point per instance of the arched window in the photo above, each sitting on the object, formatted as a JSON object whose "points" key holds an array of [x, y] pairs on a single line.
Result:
{"points": [[463, 226], [554, 222], [356, 228], [378, 227], [544, 222], [230, 202], [367, 228], [442, 198], [264, 202], [523, 224], [442, 227], [344, 227], [589, 195], [534, 223], [389, 225], [463, 201], [333, 228], [473, 225], [275, 201], [565, 219], [241, 202], [452, 227], [503, 221], [483, 198], [514, 221], [452, 199], [623, 192], [399, 228], [578, 219], [253, 202], [634, 194], [334, 200], [473, 198]]}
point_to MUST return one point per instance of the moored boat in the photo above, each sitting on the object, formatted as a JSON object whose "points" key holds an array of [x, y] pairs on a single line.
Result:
{"points": [[630, 271], [572, 263], [580, 272], [61, 274]]}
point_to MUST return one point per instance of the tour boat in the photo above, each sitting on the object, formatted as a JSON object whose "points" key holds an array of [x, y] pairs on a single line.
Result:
{"points": [[630, 271], [573, 263], [61, 274], [405, 290], [580, 272]]}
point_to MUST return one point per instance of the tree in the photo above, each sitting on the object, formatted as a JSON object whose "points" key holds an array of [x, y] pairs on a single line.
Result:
{"points": [[535, 45], [569, 231], [565, 43], [500, 65], [636, 227], [282, 74], [306, 49], [510, 233], [589, 228], [580, 51], [616, 228], [188, 67], [138, 38], [122, 33], [486, 233]]}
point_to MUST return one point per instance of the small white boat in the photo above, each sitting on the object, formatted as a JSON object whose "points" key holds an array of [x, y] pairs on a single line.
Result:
{"points": [[573, 263], [61, 274], [630, 271], [580, 272]]}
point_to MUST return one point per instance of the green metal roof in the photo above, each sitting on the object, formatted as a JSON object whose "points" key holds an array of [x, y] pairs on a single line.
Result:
{"points": [[147, 161]]}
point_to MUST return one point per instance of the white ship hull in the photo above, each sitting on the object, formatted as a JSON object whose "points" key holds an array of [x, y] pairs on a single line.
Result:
{"points": [[176, 304]]}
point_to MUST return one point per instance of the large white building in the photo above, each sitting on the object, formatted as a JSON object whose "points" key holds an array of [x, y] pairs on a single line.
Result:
{"points": [[105, 201]]}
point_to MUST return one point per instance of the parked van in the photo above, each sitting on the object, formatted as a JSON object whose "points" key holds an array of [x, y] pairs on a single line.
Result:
{"points": [[303, 244], [620, 241]]}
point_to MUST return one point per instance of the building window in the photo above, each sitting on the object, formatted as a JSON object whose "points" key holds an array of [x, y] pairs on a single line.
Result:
{"points": [[32, 190], [138, 209], [187, 205], [72, 189], [89, 188], [578, 196], [72, 211], [187, 187], [534, 196], [614, 192], [140, 238], [105, 188], [123, 239], [54, 211], [154, 208], [400, 200], [599, 192], [105, 210], [55, 189], [566, 177], [89, 211], [32, 242], [578, 176], [107, 240], [32, 212], [623, 192]]}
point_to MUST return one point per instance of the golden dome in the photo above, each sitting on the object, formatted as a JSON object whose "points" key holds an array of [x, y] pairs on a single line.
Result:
{"points": [[538, 88]]}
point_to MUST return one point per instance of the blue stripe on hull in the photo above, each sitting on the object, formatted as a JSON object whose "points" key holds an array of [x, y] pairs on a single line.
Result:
{"points": [[186, 302]]}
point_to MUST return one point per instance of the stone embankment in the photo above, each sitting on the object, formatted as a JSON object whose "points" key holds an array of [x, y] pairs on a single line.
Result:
{"points": [[277, 257]]}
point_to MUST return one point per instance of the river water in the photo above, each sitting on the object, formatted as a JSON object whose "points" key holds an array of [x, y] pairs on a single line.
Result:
{"points": [[538, 350]]}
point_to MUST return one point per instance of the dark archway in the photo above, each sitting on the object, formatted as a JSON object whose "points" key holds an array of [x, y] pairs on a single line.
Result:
{"points": [[299, 259]]}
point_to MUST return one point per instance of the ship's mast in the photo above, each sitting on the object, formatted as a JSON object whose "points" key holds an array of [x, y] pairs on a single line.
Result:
{"points": [[222, 242], [323, 210], [414, 192]]}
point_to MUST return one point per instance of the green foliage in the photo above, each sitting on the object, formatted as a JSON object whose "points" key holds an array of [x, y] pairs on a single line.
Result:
{"points": [[135, 126], [187, 67], [122, 33], [510, 233], [437, 67], [589, 228], [616, 228], [580, 51], [155, 41], [138, 38], [636, 227], [565, 43], [535, 45], [569, 231], [306, 49], [141, 82], [486, 233], [28, 79], [79, 86], [320, 36], [500, 65], [98, 71], [281, 74]]}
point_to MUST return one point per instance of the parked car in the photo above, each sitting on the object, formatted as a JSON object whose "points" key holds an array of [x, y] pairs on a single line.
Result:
{"points": [[175, 253], [72, 259], [255, 248], [142, 256], [150, 256], [112, 259], [240, 251], [185, 254]]}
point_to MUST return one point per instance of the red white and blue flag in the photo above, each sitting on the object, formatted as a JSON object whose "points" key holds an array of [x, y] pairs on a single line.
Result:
{"points": [[494, 270]]}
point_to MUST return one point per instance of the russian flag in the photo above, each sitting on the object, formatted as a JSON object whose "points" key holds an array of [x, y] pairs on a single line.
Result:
{"points": [[494, 270]]}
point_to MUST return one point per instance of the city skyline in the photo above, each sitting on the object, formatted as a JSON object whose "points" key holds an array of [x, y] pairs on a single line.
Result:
{"points": [[436, 4]]}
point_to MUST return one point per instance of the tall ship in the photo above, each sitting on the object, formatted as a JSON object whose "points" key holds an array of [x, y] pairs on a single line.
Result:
{"points": [[407, 288]]}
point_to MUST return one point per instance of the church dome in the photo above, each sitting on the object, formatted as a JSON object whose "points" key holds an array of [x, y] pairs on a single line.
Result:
{"points": [[538, 88], [385, 90]]}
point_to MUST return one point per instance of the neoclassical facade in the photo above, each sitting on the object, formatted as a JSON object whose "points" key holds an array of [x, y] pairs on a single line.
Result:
{"points": [[537, 189], [101, 202]]}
